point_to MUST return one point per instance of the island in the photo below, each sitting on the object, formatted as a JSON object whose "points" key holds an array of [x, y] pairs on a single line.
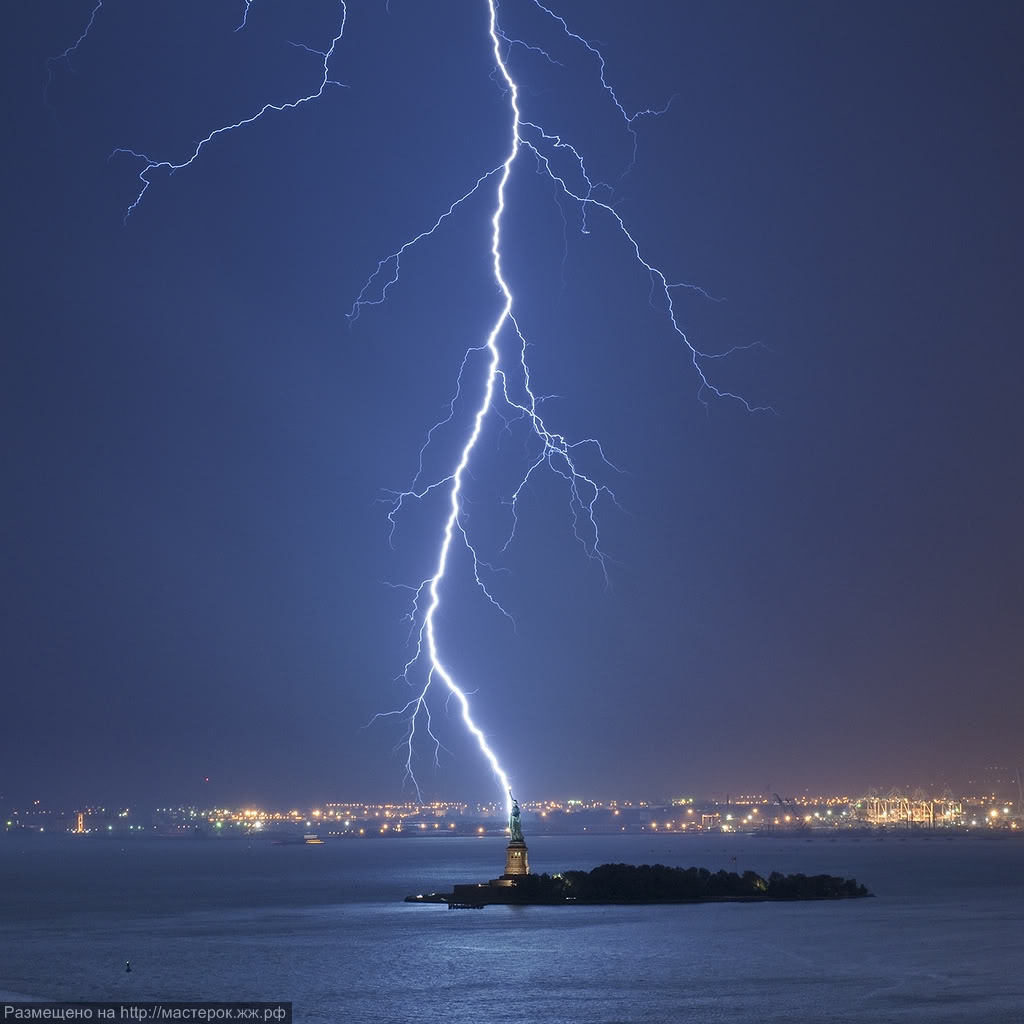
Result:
{"points": [[646, 883]]}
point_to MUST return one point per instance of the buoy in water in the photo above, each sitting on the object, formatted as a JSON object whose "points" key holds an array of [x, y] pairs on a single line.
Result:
{"points": [[128, 966]]}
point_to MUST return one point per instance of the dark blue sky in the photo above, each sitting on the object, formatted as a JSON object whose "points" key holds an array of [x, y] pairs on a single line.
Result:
{"points": [[193, 553]]}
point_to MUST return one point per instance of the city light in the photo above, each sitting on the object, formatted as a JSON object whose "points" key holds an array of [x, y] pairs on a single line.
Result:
{"points": [[826, 815]]}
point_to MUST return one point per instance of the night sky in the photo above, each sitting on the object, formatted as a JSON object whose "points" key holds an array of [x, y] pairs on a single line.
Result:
{"points": [[194, 555]]}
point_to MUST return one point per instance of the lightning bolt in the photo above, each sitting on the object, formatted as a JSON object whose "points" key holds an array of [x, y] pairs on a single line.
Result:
{"points": [[52, 63], [554, 450], [505, 388], [150, 165]]}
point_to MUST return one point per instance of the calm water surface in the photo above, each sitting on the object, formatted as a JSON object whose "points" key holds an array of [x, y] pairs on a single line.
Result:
{"points": [[325, 927]]}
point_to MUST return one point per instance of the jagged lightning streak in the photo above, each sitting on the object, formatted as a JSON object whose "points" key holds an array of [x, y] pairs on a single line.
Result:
{"points": [[170, 166], [432, 585], [553, 445], [65, 57], [555, 451], [245, 16], [499, 391], [630, 119]]}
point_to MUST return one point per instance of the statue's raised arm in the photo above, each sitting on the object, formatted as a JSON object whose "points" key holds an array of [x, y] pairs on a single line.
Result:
{"points": [[514, 827]]}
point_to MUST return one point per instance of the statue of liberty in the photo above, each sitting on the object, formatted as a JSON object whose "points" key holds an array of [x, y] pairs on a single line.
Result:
{"points": [[514, 827]]}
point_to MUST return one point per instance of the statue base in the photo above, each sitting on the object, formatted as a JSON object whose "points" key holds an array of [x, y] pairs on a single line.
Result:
{"points": [[516, 860]]}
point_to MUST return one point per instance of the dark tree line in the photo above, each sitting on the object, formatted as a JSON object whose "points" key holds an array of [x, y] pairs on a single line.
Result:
{"points": [[656, 883]]}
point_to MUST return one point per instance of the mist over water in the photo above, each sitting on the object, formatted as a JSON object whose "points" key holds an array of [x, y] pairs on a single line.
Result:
{"points": [[325, 928]]}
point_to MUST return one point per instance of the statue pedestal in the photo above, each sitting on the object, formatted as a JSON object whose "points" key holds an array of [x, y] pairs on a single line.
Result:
{"points": [[501, 889], [516, 861]]}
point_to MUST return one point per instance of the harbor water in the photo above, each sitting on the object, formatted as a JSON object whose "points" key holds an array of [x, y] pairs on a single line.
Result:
{"points": [[325, 928]]}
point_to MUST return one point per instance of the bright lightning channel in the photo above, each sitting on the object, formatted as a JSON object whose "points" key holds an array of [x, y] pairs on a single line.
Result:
{"points": [[555, 451]]}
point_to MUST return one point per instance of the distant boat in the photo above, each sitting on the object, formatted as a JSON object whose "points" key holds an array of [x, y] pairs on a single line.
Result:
{"points": [[309, 839]]}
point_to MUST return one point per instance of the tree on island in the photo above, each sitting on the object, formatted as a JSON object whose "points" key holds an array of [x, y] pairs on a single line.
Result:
{"points": [[647, 883]]}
